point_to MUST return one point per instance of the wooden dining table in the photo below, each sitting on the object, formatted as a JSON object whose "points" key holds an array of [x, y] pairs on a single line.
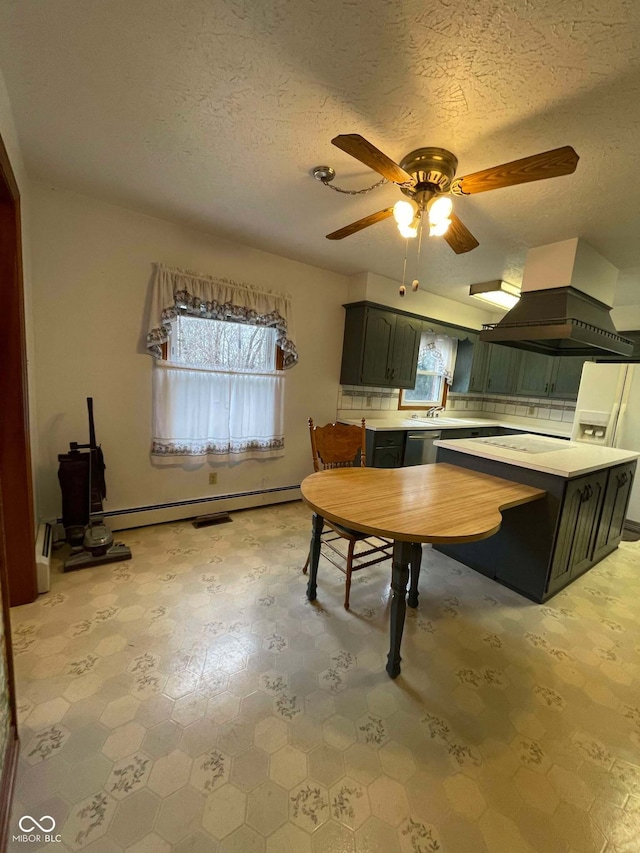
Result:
{"points": [[438, 503]]}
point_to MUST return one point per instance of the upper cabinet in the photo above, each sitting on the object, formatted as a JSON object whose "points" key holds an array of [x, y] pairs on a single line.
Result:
{"points": [[502, 372], [534, 374], [495, 369], [565, 377], [380, 347], [472, 360]]}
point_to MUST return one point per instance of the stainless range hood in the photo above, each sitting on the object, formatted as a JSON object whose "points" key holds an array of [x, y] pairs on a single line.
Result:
{"points": [[567, 293]]}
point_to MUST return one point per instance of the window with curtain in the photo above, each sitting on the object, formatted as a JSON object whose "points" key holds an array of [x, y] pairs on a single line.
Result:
{"points": [[436, 363], [218, 381]]}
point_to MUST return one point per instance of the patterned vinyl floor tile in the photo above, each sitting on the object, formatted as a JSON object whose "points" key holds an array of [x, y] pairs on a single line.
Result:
{"points": [[191, 700]]}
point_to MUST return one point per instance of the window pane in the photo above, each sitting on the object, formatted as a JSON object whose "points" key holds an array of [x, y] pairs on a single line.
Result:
{"points": [[428, 390], [223, 346]]}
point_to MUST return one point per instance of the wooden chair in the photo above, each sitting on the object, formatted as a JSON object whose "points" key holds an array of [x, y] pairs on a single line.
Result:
{"points": [[343, 446]]}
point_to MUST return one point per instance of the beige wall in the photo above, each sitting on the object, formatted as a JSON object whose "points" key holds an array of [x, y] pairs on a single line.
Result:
{"points": [[377, 288], [91, 274]]}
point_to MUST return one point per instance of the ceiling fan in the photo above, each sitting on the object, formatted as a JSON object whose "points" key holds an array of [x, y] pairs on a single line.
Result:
{"points": [[427, 177]]}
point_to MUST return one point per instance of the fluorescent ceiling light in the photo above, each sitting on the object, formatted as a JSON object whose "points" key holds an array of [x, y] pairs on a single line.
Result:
{"points": [[500, 294]]}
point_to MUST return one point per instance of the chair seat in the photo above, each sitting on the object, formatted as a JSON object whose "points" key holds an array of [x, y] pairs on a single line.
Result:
{"points": [[347, 532]]}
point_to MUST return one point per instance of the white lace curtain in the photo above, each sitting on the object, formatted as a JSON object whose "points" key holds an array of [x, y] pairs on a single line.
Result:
{"points": [[218, 397], [201, 415], [438, 354]]}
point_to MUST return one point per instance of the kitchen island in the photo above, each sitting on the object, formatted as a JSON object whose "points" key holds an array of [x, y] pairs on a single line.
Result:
{"points": [[542, 547]]}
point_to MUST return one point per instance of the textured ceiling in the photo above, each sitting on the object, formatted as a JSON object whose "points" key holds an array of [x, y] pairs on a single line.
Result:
{"points": [[214, 113]]}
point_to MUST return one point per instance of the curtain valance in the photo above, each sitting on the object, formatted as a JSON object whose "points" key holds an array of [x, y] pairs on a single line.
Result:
{"points": [[176, 291], [438, 353]]}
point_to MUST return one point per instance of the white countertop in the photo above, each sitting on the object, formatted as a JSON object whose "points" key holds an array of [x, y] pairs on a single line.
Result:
{"points": [[562, 429], [563, 458]]}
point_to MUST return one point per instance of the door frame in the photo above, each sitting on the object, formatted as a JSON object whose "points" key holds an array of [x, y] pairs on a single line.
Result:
{"points": [[17, 525]]}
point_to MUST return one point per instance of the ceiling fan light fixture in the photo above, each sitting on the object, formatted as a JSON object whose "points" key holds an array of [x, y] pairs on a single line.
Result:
{"points": [[438, 229], [408, 231], [440, 209], [404, 212], [498, 293]]}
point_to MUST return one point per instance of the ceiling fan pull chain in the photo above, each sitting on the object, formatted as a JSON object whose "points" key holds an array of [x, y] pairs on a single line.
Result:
{"points": [[355, 192], [403, 289]]}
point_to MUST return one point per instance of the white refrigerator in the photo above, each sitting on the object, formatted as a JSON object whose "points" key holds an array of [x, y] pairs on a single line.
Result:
{"points": [[608, 413]]}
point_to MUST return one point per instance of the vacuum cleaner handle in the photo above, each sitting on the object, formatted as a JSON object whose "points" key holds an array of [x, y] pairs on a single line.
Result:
{"points": [[92, 429]]}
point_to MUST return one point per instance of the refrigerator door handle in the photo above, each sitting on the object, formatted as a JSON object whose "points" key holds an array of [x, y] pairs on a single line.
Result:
{"points": [[617, 432]]}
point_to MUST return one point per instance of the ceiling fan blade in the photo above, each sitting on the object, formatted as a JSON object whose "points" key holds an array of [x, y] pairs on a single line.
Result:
{"points": [[459, 237], [549, 164], [360, 224], [365, 152]]}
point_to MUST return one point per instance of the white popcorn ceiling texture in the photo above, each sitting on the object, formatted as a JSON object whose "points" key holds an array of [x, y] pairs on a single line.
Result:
{"points": [[214, 114]]}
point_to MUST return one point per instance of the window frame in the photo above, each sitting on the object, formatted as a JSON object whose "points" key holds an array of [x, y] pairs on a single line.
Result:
{"points": [[403, 404]]}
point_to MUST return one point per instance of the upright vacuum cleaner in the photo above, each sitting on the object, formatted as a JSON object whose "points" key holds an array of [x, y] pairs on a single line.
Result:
{"points": [[81, 476]]}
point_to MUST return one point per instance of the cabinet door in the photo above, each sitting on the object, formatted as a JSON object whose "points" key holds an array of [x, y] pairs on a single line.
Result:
{"points": [[388, 457], [403, 362], [534, 376], [502, 372], [479, 365], [614, 509], [577, 528], [378, 341], [565, 376]]}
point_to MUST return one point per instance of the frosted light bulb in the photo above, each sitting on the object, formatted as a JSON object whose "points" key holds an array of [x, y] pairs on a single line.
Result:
{"points": [[439, 228], [402, 290], [403, 212], [440, 210], [407, 231], [415, 284]]}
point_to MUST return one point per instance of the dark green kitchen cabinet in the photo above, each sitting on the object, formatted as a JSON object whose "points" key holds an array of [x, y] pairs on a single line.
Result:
{"points": [[614, 508], [470, 372], [385, 448], [565, 377], [534, 375], [578, 528], [502, 372], [380, 347]]}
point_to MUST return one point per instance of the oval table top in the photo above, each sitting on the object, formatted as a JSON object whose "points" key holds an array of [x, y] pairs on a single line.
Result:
{"points": [[439, 503]]}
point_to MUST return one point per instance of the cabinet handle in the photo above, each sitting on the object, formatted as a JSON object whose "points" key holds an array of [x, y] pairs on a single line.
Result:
{"points": [[553, 385], [489, 383], [546, 388]]}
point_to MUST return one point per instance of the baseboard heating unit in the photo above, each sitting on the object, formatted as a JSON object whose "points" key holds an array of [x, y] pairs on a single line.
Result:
{"points": [[139, 516], [44, 545]]}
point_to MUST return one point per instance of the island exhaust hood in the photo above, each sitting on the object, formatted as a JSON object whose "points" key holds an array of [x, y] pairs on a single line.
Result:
{"points": [[566, 297]]}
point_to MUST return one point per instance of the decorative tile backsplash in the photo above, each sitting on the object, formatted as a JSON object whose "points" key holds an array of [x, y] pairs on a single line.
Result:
{"points": [[527, 407], [358, 401]]}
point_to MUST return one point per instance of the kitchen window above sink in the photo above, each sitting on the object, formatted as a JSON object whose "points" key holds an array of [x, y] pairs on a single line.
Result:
{"points": [[436, 360]]}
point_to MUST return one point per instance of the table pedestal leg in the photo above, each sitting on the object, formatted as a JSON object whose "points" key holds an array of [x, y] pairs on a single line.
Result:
{"points": [[416, 559], [402, 554], [317, 524]]}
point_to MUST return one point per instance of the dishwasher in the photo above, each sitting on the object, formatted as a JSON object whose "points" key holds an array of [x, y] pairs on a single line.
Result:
{"points": [[419, 448]]}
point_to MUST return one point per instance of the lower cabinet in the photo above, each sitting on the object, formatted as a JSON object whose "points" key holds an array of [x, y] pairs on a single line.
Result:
{"points": [[578, 527], [544, 545], [471, 432], [616, 499], [385, 449]]}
